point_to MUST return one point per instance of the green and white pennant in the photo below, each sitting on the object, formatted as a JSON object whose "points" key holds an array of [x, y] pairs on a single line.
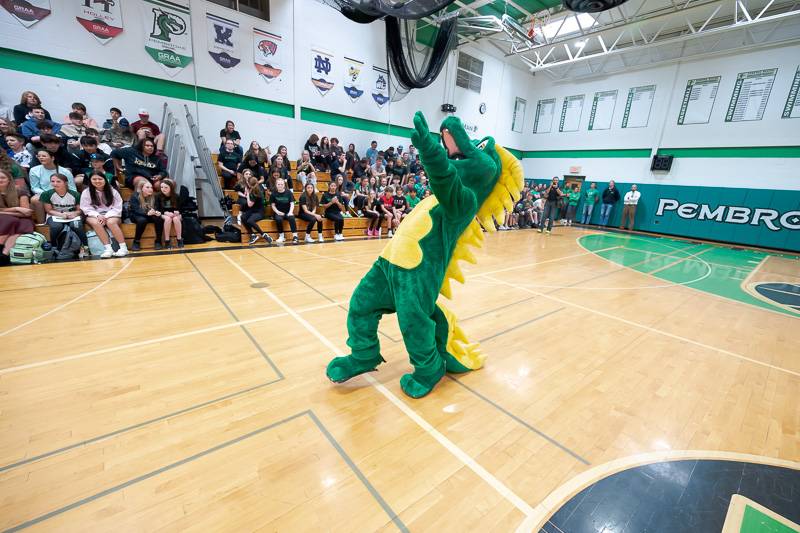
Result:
{"points": [[168, 34]]}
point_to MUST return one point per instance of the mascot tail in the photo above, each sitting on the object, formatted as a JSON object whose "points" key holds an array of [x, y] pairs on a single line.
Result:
{"points": [[459, 354]]}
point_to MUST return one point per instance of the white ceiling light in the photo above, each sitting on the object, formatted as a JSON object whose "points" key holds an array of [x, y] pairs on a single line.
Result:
{"points": [[570, 25]]}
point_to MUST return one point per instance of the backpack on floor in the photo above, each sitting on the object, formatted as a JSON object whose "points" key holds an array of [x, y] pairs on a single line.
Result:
{"points": [[229, 233], [68, 244], [192, 231], [28, 249], [96, 246]]}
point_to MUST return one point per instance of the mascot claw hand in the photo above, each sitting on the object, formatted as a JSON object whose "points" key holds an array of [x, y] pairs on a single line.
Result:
{"points": [[469, 180]]}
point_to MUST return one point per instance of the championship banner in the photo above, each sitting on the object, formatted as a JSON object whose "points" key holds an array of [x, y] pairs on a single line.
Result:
{"points": [[104, 21], [267, 53], [352, 78], [321, 68], [223, 41], [380, 91], [168, 34], [27, 12]]}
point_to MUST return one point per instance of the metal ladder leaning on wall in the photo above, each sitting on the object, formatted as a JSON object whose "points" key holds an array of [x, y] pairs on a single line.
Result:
{"points": [[207, 165]]}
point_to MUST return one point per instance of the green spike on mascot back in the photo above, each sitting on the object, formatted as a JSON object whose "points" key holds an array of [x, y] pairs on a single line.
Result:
{"points": [[469, 179]]}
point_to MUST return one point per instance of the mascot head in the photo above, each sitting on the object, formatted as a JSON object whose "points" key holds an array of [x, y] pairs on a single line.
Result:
{"points": [[477, 161]]}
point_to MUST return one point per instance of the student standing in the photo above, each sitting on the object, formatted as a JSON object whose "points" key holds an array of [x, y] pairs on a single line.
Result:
{"points": [[592, 195], [610, 197], [573, 197], [630, 202], [552, 197]]}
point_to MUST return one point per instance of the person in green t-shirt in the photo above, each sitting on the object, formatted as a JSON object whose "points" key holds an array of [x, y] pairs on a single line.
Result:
{"points": [[573, 197], [411, 199], [592, 195]]}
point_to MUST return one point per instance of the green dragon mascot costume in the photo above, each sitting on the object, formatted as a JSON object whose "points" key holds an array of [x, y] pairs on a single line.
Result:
{"points": [[469, 179]]}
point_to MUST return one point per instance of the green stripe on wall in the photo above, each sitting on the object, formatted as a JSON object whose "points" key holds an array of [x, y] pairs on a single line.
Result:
{"points": [[69, 70], [345, 121], [745, 151], [560, 154]]}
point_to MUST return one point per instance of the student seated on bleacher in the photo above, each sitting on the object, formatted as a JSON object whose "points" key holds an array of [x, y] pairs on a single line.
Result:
{"points": [[117, 130], [143, 211], [102, 205], [144, 129], [347, 189], [259, 153], [228, 162], [256, 169], [387, 207], [305, 169], [229, 133], [353, 158], [399, 207], [20, 154], [39, 178], [279, 165], [63, 157], [62, 207], [33, 128], [283, 152], [282, 203], [15, 214], [372, 210], [362, 169], [72, 131], [334, 204], [16, 172], [412, 199], [24, 109], [308, 212], [141, 163], [86, 120], [254, 201], [168, 203]]}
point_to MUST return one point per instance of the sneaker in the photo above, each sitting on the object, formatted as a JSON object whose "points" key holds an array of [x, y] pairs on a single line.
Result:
{"points": [[122, 252], [295, 240], [321, 239], [309, 239], [84, 252], [547, 231], [389, 234], [239, 219], [346, 215], [180, 243], [540, 230], [267, 238], [254, 237], [168, 245], [157, 245], [280, 240], [136, 246], [108, 252], [340, 237]]}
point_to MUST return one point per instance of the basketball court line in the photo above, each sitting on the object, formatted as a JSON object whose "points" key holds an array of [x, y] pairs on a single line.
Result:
{"points": [[75, 299], [157, 340], [729, 300], [549, 439], [649, 328], [553, 501], [153, 473], [451, 447], [526, 265]]}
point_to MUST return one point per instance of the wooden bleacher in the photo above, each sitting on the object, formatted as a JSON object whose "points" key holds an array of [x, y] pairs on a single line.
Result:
{"points": [[353, 227]]}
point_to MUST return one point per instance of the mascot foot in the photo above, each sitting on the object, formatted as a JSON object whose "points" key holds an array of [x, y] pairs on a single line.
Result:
{"points": [[417, 385], [340, 369]]}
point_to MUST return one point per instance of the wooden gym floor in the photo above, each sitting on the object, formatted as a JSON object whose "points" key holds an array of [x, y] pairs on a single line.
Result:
{"points": [[187, 391]]}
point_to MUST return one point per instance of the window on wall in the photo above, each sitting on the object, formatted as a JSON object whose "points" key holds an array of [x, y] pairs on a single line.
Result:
{"points": [[470, 72], [255, 8], [519, 115]]}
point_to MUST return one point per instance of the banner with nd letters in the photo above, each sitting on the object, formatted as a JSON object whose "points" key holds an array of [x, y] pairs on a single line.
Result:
{"points": [[321, 70]]}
